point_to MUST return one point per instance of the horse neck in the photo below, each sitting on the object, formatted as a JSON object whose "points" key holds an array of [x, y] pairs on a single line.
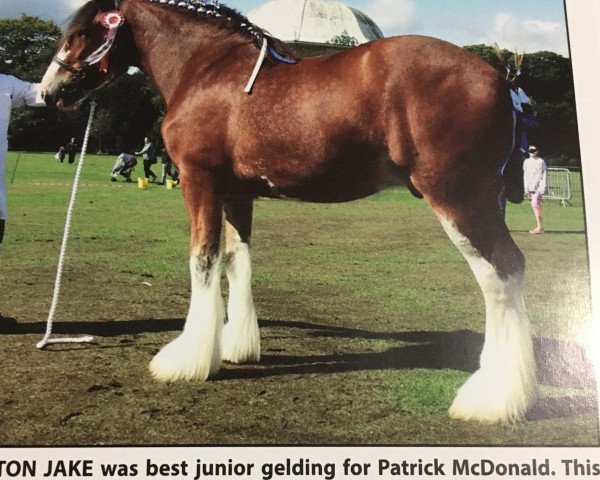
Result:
{"points": [[174, 48]]}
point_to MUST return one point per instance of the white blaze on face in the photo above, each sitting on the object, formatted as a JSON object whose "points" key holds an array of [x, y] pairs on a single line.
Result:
{"points": [[51, 80]]}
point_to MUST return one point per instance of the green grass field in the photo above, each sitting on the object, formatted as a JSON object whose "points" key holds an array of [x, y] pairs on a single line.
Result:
{"points": [[370, 320]]}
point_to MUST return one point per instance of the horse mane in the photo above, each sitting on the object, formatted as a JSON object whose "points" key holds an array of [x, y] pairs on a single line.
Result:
{"points": [[220, 15], [229, 18]]}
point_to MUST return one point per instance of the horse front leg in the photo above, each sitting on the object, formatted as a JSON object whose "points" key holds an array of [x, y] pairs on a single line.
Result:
{"points": [[241, 337], [196, 353]]}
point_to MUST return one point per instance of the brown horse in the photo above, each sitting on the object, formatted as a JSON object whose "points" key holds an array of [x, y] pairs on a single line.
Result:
{"points": [[321, 129]]}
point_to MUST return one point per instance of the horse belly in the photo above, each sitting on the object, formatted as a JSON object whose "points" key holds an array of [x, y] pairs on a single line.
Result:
{"points": [[340, 183], [339, 178]]}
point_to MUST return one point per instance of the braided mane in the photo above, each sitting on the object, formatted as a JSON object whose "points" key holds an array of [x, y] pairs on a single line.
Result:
{"points": [[220, 15], [229, 17]]}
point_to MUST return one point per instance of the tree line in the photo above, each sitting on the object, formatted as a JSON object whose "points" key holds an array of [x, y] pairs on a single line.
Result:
{"points": [[131, 108]]}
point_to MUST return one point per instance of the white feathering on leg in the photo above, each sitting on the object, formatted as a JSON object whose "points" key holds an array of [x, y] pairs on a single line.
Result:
{"points": [[196, 353], [241, 336], [504, 386]]}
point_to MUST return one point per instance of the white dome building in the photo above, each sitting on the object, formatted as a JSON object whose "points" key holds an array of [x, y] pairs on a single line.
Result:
{"points": [[314, 22]]}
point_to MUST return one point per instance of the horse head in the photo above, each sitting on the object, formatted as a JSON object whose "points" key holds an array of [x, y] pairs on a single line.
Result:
{"points": [[92, 53]]}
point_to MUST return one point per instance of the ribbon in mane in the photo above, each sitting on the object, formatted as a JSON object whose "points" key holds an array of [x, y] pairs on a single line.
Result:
{"points": [[111, 21]]}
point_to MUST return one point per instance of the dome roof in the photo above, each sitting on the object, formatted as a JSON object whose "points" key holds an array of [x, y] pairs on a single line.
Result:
{"points": [[317, 21]]}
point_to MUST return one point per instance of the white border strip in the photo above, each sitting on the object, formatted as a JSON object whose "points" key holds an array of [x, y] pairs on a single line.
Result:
{"points": [[584, 35]]}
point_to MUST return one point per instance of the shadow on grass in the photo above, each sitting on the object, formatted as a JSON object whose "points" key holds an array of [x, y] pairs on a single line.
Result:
{"points": [[560, 364], [554, 232], [109, 328]]}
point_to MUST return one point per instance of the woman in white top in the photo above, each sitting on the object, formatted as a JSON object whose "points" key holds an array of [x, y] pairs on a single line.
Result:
{"points": [[13, 93], [535, 178]]}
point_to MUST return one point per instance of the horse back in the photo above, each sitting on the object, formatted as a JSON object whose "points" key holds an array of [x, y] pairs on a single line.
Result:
{"points": [[331, 124]]}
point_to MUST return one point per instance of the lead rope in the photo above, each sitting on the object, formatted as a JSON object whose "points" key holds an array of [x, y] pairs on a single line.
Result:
{"points": [[63, 248], [259, 62]]}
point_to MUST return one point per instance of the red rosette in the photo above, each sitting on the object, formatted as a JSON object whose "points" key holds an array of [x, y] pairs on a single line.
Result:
{"points": [[113, 19]]}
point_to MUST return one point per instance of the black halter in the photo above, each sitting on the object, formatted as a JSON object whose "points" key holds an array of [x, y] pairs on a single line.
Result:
{"points": [[79, 74], [69, 67]]}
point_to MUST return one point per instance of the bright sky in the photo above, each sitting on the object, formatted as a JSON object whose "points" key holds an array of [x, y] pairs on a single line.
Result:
{"points": [[523, 24]]}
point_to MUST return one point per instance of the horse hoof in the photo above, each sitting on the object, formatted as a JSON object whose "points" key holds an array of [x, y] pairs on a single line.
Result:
{"points": [[241, 342], [492, 399], [183, 359]]}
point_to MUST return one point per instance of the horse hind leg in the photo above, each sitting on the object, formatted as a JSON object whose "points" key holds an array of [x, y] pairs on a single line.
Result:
{"points": [[196, 353], [241, 337], [504, 386]]}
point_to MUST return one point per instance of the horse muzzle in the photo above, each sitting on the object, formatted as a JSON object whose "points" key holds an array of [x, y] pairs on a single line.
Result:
{"points": [[49, 99], [66, 96]]}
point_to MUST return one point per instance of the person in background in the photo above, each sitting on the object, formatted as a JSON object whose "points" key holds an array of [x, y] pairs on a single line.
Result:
{"points": [[60, 155], [13, 93], [71, 150], [535, 178], [168, 168], [123, 166], [148, 153]]}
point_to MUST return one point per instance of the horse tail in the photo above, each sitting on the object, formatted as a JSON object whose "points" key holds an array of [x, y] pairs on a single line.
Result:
{"points": [[513, 179], [512, 170]]}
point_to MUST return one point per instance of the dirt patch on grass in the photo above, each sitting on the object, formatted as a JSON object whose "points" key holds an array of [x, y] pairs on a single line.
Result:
{"points": [[316, 384]]}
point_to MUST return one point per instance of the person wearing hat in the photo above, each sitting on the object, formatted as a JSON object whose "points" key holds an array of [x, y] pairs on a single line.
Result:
{"points": [[13, 93], [535, 177]]}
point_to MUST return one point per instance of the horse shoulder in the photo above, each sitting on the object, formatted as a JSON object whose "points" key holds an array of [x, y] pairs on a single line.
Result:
{"points": [[194, 131]]}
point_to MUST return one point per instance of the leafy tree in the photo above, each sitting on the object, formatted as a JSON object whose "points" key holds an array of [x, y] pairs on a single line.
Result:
{"points": [[487, 53], [127, 112], [26, 46], [548, 79], [344, 40]]}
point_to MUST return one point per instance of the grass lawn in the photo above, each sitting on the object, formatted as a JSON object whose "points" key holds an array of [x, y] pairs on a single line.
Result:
{"points": [[370, 320]]}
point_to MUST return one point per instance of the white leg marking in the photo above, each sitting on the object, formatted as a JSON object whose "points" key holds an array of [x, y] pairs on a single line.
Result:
{"points": [[505, 385], [196, 353], [241, 337]]}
